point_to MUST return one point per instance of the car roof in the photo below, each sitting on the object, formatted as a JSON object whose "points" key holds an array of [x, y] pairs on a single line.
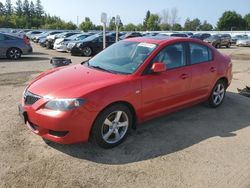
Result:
{"points": [[161, 39]]}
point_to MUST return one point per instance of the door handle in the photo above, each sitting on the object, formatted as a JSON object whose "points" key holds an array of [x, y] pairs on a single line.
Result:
{"points": [[184, 76], [212, 69]]}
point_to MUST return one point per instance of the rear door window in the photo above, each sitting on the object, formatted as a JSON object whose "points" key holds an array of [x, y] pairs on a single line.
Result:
{"points": [[199, 53]]}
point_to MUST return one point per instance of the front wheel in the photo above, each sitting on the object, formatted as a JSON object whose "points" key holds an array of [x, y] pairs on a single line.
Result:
{"points": [[112, 126], [218, 94], [87, 51]]}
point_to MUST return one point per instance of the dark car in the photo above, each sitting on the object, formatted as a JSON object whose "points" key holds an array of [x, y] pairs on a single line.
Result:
{"points": [[201, 36], [219, 40], [50, 42], [14, 47], [91, 45], [178, 35], [131, 35]]}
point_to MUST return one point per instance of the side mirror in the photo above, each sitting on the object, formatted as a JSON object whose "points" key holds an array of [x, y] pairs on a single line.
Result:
{"points": [[159, 67]]}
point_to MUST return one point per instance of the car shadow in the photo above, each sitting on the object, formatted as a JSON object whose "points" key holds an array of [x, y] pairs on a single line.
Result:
{"points": [[170, 133]]}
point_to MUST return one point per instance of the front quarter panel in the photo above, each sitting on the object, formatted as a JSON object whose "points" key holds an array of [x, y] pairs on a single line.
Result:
{"points": [[128, 91]]}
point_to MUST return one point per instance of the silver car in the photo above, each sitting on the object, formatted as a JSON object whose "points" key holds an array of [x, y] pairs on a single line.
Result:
{"points": [[14, 47], [245, 42]]}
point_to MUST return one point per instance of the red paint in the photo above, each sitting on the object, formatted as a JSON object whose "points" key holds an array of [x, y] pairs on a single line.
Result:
{"points": [[150, 95]]}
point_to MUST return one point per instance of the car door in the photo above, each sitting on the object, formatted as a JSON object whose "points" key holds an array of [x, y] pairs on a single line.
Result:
{"points": [[2, 45], [163, 91], [204, 70]]}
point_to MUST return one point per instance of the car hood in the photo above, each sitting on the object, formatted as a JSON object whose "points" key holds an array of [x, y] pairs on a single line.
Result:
{"points": [[72, 81]]}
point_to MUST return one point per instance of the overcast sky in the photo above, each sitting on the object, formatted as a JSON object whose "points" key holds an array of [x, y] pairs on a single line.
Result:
{"points": [[133, 11]]}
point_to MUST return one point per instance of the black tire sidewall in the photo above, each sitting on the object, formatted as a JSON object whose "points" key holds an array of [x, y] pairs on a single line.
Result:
{"points": [[96, 134]]}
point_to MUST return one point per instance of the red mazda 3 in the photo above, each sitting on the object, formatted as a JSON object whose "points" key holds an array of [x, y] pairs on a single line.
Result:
{"points": [[130, 82]]}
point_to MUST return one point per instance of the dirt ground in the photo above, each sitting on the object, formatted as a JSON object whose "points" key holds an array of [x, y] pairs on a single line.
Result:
{"points": [[195, 147]]}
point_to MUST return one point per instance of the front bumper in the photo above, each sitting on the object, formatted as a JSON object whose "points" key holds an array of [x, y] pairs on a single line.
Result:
{"points": [[62, 127], [76, 51]]}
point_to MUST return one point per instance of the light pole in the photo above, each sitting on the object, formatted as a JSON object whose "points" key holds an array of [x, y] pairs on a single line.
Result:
{"points": [[117, 23], [104, 19]]}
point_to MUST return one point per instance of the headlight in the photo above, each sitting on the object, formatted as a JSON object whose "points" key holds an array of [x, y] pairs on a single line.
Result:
{"points": [[64, 104], [78, 45]]}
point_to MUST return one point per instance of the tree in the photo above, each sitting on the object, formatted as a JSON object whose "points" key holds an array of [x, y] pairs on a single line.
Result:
{"points": [[26, 8], [174, 16], [39, 9], [2, 9], [140, 27], [129, 27], [176, 27], [165, 27], [247, 21], [153, 23], [230, 20], [145, 22], [86, 24], [32, 9], [165, 18], [192, 25], [8, 7], [206, 26], [18, 8], [112, 24]]}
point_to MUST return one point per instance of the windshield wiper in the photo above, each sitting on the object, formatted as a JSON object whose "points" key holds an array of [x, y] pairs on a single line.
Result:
{"points": [[100, 68]]}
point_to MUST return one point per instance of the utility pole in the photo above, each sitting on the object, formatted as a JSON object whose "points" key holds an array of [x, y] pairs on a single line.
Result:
{"points": [[104, 19]]}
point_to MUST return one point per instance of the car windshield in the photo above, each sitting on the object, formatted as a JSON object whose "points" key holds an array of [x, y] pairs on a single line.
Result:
{"points": [[123, 57], [214, 37]]}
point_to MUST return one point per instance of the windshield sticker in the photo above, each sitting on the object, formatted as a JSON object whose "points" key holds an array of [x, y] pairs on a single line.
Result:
{"points": [[147, 45]]}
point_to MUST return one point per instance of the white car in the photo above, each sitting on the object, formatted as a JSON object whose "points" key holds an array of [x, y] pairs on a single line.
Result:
{"points": [[245, 42], [61, 43]]}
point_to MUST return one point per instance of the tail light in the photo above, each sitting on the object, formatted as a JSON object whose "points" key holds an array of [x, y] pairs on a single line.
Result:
{"points": [[26, 40]]}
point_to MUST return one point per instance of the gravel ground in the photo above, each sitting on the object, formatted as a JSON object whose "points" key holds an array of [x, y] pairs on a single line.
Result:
{"points": [[195, 147]]}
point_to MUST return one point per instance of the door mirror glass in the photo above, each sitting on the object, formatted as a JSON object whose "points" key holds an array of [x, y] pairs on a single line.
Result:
{"points": [[159, 67]]}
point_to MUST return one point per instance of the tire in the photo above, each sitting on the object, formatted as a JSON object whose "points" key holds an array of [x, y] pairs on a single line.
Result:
{"points": [[217, 95], [87, 51], [228, 46], [217, 46], [14, 53], [112, 126]]}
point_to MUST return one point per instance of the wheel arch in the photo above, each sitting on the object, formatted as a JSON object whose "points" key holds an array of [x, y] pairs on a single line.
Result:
{"points": [[125, 103], [225, 80]]}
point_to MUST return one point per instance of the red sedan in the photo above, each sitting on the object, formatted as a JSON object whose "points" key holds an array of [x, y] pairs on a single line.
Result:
{"points": [[130, 82]]}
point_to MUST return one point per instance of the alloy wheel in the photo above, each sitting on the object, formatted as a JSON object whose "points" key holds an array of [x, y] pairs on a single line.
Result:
{"points": [[218, 94], [115, 127]]}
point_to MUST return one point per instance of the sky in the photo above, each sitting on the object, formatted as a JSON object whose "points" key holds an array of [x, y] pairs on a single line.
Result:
{"points": [[133, 11]]}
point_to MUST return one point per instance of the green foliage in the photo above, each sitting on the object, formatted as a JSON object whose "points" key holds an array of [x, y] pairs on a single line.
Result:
{"points": [[145, 22], [206, 26], [130, 27], [230, 20], [176, 27], [86, 24], [165, 27], [247, 21], [26, 14], [112, 25], [192, 25], [153, 23]]}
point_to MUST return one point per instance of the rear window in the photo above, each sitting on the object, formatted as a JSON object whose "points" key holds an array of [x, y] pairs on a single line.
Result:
{"points": [[200, 53]]}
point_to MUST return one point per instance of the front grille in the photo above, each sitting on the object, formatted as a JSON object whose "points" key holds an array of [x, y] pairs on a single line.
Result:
{"points": [[30, 98]]}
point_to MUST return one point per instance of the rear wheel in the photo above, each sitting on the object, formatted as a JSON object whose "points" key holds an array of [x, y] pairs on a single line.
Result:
{"points": [[218, 94], [228, 46], [14, 53], [112, 126], [87, 51], [217, 46]]}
